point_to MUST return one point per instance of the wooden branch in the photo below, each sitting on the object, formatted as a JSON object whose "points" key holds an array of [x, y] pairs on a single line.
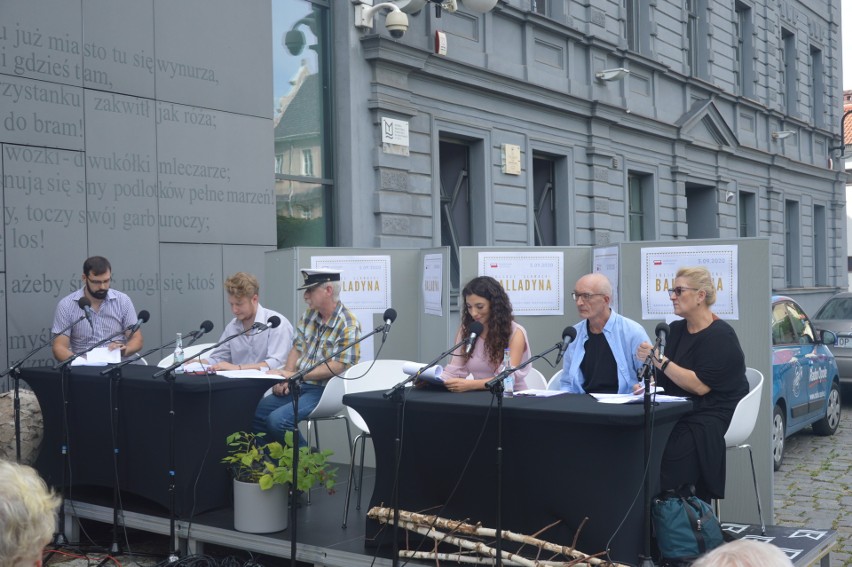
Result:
{"points": [[425, 525]]}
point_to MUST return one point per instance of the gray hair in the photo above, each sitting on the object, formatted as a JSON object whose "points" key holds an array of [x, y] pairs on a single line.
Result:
{"points": [[27, 515]]}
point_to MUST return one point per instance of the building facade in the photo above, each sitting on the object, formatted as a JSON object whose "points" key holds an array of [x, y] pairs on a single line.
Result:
{"points": [[723, 127]]}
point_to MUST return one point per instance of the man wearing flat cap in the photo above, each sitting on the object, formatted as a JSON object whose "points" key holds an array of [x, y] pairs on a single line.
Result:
{"points": [[325, 328]]}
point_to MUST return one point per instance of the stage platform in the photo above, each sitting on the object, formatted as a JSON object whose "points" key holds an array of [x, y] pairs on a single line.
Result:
{"points": [[321, 539]]}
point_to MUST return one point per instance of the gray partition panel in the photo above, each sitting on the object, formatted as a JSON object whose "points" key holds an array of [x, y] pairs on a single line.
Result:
{"points": [[543, 331], [4, 337], [226, 67], [249, 259], [45, 236], [208, 182], [40, 113], [406, 337], [42, 40], [192, 289], [754, 332], [435, 333]]}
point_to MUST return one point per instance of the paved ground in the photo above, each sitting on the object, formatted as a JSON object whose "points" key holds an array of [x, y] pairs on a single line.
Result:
{"points": [[812, 489], [814, 486]]}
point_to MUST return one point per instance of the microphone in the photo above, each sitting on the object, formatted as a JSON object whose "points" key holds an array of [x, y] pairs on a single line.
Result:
{"points": [[141, 318], [662, 331], [568, 335], [389, 317], [271, 323], [86, 305], [206, 327], [476, 329]]}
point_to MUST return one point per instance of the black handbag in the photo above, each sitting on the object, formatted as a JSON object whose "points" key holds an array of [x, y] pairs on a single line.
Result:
{"points": [[685, 526]]}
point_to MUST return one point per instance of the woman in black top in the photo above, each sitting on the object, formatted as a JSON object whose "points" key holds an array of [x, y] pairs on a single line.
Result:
{"points": [[703, 361]]}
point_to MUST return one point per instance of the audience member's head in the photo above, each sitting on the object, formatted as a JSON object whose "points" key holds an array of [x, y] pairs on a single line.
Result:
{"points": [[27, 515], [744, 553]]}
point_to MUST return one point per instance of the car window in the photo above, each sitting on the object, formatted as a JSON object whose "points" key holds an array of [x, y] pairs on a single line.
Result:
{"points": [[782, 327], [836, 308], [801, 325]]}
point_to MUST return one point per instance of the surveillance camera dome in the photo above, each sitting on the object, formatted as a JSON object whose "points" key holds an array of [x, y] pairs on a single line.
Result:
{"points": [[396, 24]]}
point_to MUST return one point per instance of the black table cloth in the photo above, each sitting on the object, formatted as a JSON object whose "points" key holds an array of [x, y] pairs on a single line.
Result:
{"points": [[564, 458], [207, 409]]}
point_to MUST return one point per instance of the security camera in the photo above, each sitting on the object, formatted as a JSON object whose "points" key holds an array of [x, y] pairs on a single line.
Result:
{"points": [[397, 24]]}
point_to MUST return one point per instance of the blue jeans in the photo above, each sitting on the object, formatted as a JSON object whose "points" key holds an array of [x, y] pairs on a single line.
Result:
{"points": [[274, 414]]}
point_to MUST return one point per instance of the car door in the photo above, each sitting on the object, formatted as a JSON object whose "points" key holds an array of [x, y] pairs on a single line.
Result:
{"points": [[787, 373], [815, 358]]}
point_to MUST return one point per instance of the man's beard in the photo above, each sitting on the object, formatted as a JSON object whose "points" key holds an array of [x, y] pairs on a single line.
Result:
{"points": [[99, 295]]}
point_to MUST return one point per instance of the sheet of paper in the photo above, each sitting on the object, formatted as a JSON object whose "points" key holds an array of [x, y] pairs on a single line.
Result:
{"points": [[432, 375], [248, 374], [102, 355], [634, 398]]}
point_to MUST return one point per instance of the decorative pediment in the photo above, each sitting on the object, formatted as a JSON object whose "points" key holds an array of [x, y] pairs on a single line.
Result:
{"points": [[704, 124]]}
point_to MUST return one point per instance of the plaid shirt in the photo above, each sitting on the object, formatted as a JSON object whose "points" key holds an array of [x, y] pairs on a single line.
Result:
{"points": [[116, 313], [315, 341]]}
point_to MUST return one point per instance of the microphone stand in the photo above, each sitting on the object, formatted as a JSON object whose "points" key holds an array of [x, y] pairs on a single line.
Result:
{"points": [[644, 375], [397, 394], [15, 369], [295, 382], [168, 375], [495, 385]]}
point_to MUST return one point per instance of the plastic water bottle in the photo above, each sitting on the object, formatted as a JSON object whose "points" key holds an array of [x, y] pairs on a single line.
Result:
{"points": [[508, 381], [179, 354]]}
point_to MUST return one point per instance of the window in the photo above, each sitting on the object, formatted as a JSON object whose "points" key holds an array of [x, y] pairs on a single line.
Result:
{"points": [[820, 247], [695, 30], [743, 50], [792, 247], [455, 203], [748, 214], [539, 7], [544, 193], [788, 71], [307, 163], [640, 204], [632, 24], [301, 104], [701, 211], [817, 88]]}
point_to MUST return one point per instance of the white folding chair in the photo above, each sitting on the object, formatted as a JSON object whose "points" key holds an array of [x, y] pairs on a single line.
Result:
{"points": [[188, 353], [535, 380], [553, 383], [742, 424], [383, 375], [329, 407]]}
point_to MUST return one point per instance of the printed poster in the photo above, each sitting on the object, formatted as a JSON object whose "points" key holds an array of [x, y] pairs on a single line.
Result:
{"points": [[660, 265], [533, 280], [433, 278]]}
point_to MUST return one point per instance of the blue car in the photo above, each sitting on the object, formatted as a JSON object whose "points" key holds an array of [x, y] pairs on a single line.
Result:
{"points": [[805, 380]]}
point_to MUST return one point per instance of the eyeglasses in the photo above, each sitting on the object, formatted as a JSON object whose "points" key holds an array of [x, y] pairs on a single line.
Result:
{"points": [[679, 290], [98, 282], [584, 296]]}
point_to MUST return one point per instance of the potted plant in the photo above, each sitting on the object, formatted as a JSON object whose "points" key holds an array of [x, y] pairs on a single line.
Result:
{"points": [[263, 473]]}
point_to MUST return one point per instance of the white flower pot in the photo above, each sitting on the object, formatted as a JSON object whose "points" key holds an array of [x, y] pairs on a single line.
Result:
{"points": [[260, 511]]}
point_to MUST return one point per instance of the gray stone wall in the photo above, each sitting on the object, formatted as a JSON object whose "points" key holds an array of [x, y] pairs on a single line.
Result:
{"points": [[139, 130], [515, 77]]}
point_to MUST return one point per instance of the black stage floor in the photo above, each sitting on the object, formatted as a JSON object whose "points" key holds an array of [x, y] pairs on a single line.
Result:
{"points": [[321, 539]]}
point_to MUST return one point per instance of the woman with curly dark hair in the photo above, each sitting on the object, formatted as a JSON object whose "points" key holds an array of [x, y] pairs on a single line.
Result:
{"points": [[486, 301]]}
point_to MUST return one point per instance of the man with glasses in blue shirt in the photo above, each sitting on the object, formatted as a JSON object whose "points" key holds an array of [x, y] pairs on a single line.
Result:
{"points": [[109, 312], [601, 360]]}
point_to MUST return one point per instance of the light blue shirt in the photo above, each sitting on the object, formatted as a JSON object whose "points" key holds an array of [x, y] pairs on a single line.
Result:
{"points": [[623, 336]]}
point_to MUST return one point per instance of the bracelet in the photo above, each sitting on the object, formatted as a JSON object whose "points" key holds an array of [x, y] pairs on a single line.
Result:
{"points": [[664, 365]]}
